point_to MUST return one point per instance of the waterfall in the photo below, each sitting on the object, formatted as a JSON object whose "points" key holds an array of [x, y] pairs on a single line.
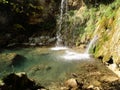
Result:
{"points": [[71, 55], [95, 38], [63, 8]]}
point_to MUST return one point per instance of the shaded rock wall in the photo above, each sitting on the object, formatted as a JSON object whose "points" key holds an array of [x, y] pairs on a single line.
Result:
{"points": [[20, 20], [19, 81]]}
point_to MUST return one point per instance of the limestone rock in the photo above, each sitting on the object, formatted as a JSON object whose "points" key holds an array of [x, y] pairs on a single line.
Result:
{"points": [[71, 84], [109, 78]]}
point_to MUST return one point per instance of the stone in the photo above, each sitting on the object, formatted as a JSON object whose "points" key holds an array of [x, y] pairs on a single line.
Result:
{"points": [[71, 83], [39, 68], [42, 40], [96, 83], [11, 59], [90, 87], [19, 81], [109, 78], [20, 74]]}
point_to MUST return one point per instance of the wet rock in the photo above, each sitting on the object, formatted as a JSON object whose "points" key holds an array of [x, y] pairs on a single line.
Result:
{"points": [[39, 68], [10, 59], [19, 81], [42, 40]]}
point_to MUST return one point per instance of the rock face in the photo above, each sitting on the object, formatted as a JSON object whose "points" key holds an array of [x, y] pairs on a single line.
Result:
{"points": [[42, 40], [109, 39], [20, 20], [19, 81], [93, 18]]}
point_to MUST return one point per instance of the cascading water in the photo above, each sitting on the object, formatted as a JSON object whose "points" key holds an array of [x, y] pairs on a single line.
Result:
{"points": [[95, 38], [59, 42], [69, 55], [63, 9], [80, 56]]}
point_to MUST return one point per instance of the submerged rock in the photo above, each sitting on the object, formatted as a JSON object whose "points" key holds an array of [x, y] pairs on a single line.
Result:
{"points": [[10, 59], [19, 81], [39, 68]]}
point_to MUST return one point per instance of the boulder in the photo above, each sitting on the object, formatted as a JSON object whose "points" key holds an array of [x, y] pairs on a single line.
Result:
{"points": [[19, 81], [9, 59], [71, 84]]}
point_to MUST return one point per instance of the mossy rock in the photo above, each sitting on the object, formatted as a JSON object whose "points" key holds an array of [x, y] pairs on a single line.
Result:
{"points": [[9, 59]]}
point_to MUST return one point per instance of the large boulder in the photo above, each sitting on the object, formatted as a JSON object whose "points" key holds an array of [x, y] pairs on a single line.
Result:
{"points": [[19, 81], [72, 84]]}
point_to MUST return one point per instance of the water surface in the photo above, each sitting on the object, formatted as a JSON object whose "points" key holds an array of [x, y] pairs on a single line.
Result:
{"points": [[44, 65]]}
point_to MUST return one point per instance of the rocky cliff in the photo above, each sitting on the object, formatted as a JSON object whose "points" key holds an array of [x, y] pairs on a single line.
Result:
{"points": [[97, 18]]}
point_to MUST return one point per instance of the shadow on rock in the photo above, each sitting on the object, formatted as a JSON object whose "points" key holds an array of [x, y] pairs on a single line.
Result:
{"points": [[18, 60], [11, 60], [19, 81]]}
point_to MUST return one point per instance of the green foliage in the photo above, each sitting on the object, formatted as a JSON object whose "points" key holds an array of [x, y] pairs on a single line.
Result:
{"points": [[4, 1], [109, 12], [71, 12]]}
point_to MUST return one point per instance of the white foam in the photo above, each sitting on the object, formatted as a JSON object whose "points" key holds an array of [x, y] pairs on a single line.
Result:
{"points": [[75, 56], [59, 48]]}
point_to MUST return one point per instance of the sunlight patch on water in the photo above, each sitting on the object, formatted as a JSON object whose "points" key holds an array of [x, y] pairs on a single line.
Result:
{"points": [[75, 56], [59, 48]]}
